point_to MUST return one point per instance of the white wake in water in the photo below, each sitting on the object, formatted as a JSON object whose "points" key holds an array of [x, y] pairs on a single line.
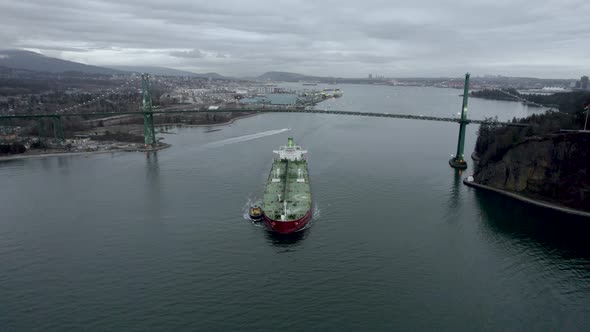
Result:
{"points": [[246, 211], [249, 203], [314, 217], [245, 138], [316, 211]]}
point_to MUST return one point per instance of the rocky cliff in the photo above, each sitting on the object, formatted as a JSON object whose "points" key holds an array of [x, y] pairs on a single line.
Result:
{"points": [[553, 167]]}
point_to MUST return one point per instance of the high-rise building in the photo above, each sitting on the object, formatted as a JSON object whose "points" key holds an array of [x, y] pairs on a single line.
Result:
{"points": [[370, 76], [584, 82]]}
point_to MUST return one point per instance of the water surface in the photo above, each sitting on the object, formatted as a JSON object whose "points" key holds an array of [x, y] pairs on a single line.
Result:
{"points": [[133, 241]]}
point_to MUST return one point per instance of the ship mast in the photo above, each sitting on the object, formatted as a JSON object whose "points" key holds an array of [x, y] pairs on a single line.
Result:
{"points": [[284, 216], [285, 184]]}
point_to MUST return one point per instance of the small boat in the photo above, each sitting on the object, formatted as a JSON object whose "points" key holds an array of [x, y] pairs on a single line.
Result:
{"points": [[255, 212]]}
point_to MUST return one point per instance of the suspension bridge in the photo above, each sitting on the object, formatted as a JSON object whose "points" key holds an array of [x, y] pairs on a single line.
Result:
{"points": [[148, 112]]}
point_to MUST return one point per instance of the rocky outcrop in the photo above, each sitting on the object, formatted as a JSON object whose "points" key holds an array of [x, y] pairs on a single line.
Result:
{"points": [[553, 168]]}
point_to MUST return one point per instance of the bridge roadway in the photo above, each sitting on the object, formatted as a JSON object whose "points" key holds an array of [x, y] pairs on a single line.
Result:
{"points": [[261, 110]]}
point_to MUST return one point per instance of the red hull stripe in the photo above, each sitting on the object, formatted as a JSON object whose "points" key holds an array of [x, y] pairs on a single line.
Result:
{"points": [[287, 227]]}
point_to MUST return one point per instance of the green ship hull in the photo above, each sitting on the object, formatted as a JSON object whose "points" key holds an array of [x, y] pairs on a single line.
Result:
{"points": [[286, 203]]}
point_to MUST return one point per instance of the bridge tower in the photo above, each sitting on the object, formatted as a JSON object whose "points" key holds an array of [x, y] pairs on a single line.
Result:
{"points": [[459, 161], [149, 133], [58, 130]]}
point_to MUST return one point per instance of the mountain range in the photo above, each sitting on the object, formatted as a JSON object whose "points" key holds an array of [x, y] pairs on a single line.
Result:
{"points": [[36, 62], [165, 71], [27, 60], [32, 61]]}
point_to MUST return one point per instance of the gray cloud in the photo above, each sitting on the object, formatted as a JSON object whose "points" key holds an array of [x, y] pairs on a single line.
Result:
{"points": [[192, 54], [333, 38]]}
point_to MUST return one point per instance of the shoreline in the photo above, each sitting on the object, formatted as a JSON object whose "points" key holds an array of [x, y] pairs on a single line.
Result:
{"points": [[528, 200], [164, 145], [229, 122], [55, 154], [82, 153]]}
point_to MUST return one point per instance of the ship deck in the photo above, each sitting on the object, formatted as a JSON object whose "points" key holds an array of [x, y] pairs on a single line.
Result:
{"points": [[286, 186]]}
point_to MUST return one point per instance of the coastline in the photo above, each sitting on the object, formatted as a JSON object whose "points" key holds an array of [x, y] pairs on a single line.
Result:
{"points": [[528, 200], [82, 153], [229, 122], [164, 145], [55, 154]]}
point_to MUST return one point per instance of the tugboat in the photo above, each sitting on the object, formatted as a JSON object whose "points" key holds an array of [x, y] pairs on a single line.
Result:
{"points": [[255, 213], [286, 205]]}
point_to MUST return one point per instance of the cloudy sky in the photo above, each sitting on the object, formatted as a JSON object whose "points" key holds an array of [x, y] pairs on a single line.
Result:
{"points": [[348, 38]]}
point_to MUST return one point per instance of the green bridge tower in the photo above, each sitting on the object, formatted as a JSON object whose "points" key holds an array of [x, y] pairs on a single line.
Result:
{"points": [[149, 133], [459, 161]]}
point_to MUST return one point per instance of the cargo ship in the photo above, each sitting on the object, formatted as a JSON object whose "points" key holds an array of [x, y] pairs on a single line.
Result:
{"points": [[286, 204]]}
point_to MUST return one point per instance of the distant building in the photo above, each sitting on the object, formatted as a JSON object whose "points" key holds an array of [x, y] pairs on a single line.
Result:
{"points": [[79, 140], [584, 82], [370, 76]]}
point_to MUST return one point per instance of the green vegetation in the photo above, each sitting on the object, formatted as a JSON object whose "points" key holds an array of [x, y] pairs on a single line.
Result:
{"points": [[567, 102], [13, 86], [496, 94], [493, 141], [38, 145], [12, 148], [539, 161], [119, 136]]}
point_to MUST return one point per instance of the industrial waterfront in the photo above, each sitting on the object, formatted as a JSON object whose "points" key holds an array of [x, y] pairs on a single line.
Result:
{"points": [[138, 241]]}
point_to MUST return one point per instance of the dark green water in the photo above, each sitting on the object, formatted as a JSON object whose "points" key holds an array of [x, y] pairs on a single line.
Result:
{"points": [[129, 241]]}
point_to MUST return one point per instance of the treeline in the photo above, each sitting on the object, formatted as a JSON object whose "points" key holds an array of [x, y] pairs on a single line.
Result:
{"points": [[13, 86], [496, 94], [119, 136], [567, 102], [13, 148], [191, 118], [493, 140], [18, 86], [51, 102]]}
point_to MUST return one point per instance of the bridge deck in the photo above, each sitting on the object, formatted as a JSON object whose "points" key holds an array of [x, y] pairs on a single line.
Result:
{"points": [[264, 110]]}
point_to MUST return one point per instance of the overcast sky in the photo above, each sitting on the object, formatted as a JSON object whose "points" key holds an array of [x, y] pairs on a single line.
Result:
{"points": [[348, 38]]}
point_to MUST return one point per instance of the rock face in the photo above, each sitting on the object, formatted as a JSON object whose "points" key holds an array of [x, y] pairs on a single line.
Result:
{"points": [[553, 168]]}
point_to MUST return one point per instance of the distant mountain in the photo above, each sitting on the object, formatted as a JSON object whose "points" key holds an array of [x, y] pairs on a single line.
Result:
{"points": [[281, 76], [285, 76], [165, 71], [27, 60]]}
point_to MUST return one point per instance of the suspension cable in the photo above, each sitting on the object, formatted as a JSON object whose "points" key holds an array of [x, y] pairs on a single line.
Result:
{"points": [[100, 96]]}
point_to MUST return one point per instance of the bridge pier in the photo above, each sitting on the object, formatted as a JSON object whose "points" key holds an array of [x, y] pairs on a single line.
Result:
{"points": [[459, 161], [149, 133], [41, 130], [58, 130]]}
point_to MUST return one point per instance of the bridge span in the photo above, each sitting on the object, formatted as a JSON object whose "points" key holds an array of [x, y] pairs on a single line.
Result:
{"points": [[99, 115], [369, 114], [148, 113]]}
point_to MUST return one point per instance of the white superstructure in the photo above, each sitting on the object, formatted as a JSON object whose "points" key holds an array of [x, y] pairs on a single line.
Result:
{"points": [[290, 152]]}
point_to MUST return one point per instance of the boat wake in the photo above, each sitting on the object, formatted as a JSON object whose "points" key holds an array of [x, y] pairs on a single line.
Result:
{"points": [[245, 138], [316, 211], [246, 210], [315, 215]]}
